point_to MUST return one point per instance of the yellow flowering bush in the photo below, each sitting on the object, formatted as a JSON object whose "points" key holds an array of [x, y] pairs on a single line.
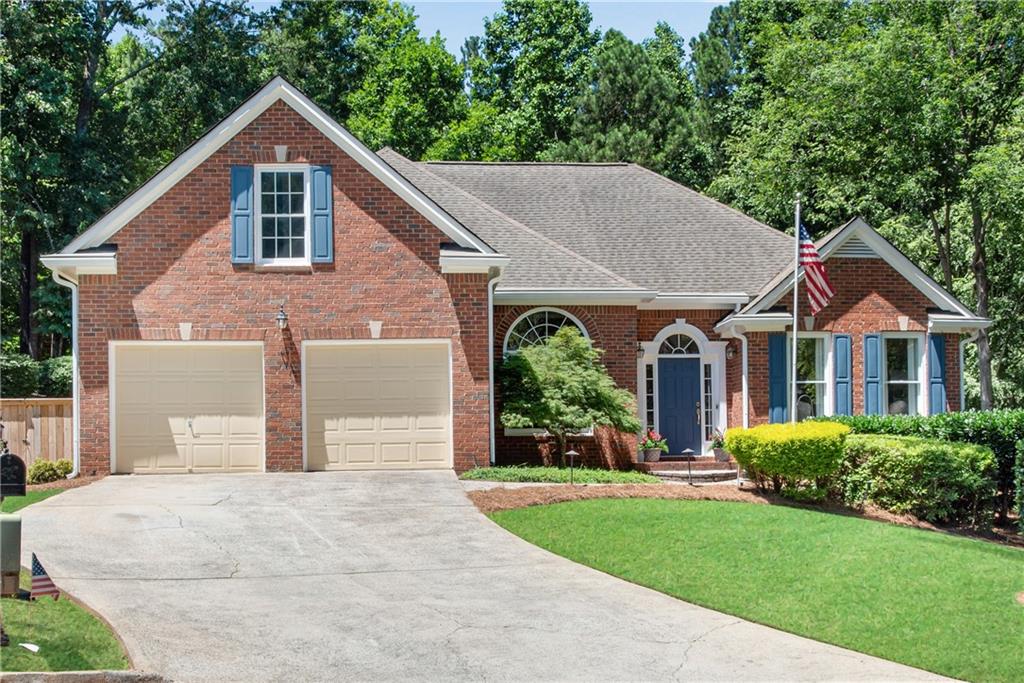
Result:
{"points": [[788, 454]]}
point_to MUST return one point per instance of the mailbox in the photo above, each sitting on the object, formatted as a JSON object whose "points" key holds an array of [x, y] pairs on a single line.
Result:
{"points": [[12, 475]]}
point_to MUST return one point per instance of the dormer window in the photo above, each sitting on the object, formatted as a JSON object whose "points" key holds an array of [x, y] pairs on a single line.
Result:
{"points": [[282, 219]]}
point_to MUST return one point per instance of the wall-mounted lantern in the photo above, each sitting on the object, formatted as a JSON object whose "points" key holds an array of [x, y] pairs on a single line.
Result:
{"points": [[282, 318]]}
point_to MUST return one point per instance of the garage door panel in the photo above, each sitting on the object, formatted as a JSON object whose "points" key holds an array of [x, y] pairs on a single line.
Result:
{"points": [[378, 406], [158, 387]]}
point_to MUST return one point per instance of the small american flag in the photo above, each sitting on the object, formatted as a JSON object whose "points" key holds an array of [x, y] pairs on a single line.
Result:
{"points": [[41, 583], [819, 289]]}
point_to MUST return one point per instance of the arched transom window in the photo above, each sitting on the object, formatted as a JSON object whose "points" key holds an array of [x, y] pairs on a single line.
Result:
{"points": [[535, 326], [679, 344]]}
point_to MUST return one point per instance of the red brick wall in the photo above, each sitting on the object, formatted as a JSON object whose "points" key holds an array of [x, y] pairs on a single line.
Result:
{"points": [[174, 266], [611, 328], [870, 297]]}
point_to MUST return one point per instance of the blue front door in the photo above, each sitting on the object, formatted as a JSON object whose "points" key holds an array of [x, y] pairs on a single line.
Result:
{"points": [[679, 403]]}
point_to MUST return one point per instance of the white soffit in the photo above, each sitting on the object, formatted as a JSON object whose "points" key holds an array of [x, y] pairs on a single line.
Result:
{"points": [[277, 89]]}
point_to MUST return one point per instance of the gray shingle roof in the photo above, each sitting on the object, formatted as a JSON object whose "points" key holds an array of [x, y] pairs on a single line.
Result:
{"points": [[640, 228]]}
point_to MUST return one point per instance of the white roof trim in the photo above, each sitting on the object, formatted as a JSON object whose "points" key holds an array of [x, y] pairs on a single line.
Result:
{"points": [[277, 89], [955, 324], [755, 322], [73, 265], [564, 297], [687, 300], [463, 262], [886, 251]]}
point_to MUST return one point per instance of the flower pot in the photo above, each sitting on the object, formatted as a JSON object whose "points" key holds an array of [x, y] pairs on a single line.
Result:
{"points": [[721, 455], [652, 455]]}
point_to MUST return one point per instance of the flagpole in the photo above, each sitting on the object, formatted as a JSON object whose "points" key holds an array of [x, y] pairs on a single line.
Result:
{"points": [[796, 306]]}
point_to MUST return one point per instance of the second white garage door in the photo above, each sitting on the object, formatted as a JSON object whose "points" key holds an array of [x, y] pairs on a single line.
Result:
{"points": [[378, 406]]}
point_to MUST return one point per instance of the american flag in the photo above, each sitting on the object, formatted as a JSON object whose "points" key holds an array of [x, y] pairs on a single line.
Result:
{"points": [[819, 289], [41, 583]]}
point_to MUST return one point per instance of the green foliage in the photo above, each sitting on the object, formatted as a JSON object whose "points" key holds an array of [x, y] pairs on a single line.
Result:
{"points": [[43, 471], [998, 430], [19, 375], [55, 376], [561, 386], [790, 454], [631, 110], [484, 135], [1019, 481], [558, 475], [938, 481]]}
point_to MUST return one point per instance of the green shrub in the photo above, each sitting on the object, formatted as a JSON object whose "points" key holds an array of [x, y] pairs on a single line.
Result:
{"points": [[791, 454], [938, 481], [42, 471], [55, 376], [19, 375], [999, 430]]}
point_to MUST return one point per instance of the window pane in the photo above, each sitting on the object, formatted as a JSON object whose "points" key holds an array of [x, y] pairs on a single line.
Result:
{"points": [[296, 200], [296, 182], [535, 328], [297, 248], [281, 203], [283, 248], [298, 227], [902, 399], [809, 360], [266, 181], [269, 249], [898, 363], [266, 202], [267, 228]]}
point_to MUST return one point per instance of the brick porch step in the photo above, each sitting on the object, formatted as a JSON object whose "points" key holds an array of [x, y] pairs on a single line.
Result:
{"points": [[703, 462]]}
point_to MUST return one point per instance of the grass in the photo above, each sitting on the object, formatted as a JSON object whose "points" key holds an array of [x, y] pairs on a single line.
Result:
{"points": [[559, 475], [70, 637], [15, 504], [939, 602]]}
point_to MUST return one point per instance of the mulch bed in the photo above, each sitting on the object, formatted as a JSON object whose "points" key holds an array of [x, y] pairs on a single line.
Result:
{"points": [[497, 499], [64, 483]]}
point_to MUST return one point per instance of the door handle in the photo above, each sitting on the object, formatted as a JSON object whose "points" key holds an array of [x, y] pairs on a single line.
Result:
{"points": [[698, 412]]}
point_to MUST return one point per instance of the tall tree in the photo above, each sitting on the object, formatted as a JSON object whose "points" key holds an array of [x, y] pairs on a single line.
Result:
{"points": [[629, 110], [533, 61]]}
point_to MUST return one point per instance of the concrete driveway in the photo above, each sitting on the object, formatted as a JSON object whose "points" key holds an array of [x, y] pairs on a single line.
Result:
{"points": [[377, 576]]}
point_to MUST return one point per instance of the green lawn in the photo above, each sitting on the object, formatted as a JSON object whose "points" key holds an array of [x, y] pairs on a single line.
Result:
{"points": [[70, 638], [15, 504], [938, 602], [559, 475]]}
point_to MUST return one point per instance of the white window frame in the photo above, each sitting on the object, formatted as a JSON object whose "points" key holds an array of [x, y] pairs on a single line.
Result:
{"points": [[258, 170], [828, 368], [922, 370], [542, 309]]}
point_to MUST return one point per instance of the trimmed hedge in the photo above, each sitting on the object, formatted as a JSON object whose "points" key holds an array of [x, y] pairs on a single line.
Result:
{"points": [[938, 481], [999, 430], [55, 376], [1020, 485], [43, 471], [19, 375], [788, 454]]}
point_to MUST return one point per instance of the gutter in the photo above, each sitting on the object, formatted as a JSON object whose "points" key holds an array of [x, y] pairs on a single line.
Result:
{"points": [[490, 362], [65, 281]]}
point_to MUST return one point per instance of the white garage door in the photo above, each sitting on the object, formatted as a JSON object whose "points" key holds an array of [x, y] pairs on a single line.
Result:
{"points": [[190, 407], [378, 406]]}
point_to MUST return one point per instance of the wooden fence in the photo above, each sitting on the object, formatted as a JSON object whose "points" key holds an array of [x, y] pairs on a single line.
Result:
{"points": [[38, 428]]}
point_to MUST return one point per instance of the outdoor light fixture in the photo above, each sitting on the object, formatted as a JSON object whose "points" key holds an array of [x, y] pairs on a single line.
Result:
{"points": [[282, 318], [639, 348], [730, 352], [572, 464]]}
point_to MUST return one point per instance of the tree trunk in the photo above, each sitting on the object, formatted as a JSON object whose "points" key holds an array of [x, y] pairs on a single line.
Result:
{"points": [[941, 234], [561, 440], [86, 96], [979, 266], [26, 288]]}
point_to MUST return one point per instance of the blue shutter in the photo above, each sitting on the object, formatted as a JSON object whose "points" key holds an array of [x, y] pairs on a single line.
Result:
{"points": [[241, 214], [872, 374], [323, 215], [936, 374], [844, 374], [777, 377]]}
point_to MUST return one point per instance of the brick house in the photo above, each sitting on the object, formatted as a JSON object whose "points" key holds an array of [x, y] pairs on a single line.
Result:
{"points": [[279, 297]]}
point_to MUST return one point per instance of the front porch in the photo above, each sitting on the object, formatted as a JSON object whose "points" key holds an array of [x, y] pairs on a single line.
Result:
{"points": [[699, 469]]}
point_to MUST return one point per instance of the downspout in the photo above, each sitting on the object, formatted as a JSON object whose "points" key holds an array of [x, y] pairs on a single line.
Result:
{"points": [[490, 360], [65, 281], [973, 337], [746, 389]]}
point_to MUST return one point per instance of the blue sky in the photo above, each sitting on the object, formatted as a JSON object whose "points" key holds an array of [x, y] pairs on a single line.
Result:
{"points": [[458, 20]]}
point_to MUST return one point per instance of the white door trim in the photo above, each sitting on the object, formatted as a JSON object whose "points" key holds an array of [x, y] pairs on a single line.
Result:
{"points": [[447, 342], [112, 384]]}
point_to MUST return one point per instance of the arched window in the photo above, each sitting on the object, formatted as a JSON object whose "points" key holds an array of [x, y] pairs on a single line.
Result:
{"points": [[679, 344], [533, 327]]}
